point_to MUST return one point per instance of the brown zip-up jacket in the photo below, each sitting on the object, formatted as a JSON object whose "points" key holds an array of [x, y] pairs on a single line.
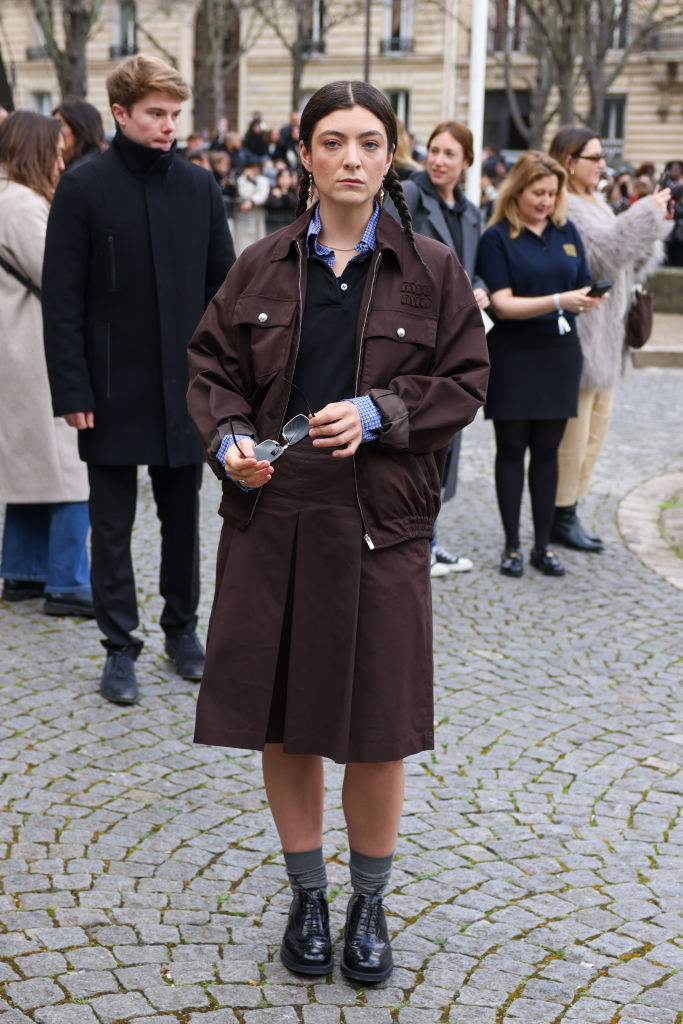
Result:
{"points": [[421, 355]]}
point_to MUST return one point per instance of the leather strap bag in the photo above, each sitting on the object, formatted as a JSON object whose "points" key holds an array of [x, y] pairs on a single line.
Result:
{"points": [[639, 319], [26, 281]]}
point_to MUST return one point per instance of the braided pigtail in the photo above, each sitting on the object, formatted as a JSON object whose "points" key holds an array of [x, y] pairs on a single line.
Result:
{"points": [[392, 184], [306, 192], [304, 186]]}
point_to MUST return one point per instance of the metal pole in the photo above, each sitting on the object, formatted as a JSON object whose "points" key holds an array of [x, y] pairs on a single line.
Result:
{"points": [[366, 59], [475, 118]]}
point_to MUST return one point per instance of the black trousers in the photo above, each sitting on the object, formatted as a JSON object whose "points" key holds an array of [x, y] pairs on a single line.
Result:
{"points": [[113, 498]]}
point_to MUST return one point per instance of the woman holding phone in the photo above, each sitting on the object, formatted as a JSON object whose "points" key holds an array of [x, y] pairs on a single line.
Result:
{"points": [[532, 259], [623, 249], [327, 378]]}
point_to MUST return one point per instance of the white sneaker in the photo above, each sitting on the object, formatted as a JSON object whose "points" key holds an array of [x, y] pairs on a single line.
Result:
{"points": [[448, 562], [439, 568]]}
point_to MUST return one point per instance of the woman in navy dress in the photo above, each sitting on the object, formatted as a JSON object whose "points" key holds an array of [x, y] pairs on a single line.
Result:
{"points": [[533, 262]]}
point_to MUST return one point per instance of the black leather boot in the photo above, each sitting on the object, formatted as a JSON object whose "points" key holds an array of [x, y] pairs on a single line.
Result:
{"points": [[306, 947], [567, 530], [367, 951]]}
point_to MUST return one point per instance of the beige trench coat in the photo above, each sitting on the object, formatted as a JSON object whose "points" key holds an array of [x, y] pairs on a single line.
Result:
{"points": [[39, 459]]}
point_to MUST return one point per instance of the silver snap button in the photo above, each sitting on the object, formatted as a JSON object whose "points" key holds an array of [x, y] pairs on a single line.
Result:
{"points": [[401, 332], [262, 317], [344, 286]]}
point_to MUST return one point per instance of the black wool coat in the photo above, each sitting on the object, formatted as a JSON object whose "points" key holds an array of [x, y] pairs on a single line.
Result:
{"points": [[137, 244]]}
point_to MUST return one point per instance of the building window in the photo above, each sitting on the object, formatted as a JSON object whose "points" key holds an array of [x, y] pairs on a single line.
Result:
{"points": [[400, 102], [125, 31], [38, 49], [613, 121], [505, 22], [621, 24], [500, 130], [398, 27], [40, 102], [313, 27]]}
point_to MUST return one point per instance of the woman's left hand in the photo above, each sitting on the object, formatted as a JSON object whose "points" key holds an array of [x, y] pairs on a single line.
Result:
{"points": [[337, 425], [483, 298]]}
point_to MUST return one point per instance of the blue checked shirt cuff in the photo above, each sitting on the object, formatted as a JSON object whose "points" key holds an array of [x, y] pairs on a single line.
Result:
{"points": [[226, 443], [370, 417]]}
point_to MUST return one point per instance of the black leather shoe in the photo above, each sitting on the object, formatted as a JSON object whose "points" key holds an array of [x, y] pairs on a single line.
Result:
{"points": [[21, 590], [306, 947], [79, 605], [187, 653], [367, 950], [547, 562], [512, 563], [119, 683], [567, 530]]}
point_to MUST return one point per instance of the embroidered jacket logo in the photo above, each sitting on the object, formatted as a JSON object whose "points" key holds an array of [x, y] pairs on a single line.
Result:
{"points": [[419, 296]]}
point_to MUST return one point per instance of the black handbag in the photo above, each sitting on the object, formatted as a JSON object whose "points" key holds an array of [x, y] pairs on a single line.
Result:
{"points": [[639, 318]]}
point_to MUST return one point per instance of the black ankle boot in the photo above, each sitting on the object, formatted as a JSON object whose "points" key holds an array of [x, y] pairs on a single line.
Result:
{"points": [[567, 530], [367, 951], [306, 947]]}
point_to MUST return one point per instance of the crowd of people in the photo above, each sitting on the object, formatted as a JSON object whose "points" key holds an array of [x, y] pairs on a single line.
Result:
{"points": [[337, 350]]}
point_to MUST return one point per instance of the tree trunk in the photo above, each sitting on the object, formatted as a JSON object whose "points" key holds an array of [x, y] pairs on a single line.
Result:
{"points": [[72, 73], [6, 98]]}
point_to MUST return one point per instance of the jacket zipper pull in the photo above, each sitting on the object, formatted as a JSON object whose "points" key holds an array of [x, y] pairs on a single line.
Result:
{"points": [[368, 540]]}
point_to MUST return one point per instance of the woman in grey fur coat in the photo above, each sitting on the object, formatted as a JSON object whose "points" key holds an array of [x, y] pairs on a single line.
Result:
{"points": [[622, 249]]}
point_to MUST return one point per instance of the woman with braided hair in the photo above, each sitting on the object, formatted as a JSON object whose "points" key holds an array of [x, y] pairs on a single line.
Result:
{"points": [[327, 378]]}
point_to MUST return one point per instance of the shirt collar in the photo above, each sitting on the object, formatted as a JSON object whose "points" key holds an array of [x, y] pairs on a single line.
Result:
{"points": [[365, 245]]}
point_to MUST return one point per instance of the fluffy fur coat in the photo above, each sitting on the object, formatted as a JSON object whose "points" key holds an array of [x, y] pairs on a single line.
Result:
{"points": [[622, 249]]}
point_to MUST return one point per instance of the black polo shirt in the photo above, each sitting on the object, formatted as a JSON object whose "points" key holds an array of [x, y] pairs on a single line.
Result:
{"points": [[533, 265], [325, 362]]}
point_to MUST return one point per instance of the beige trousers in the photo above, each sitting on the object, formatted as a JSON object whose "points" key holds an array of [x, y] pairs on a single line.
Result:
{"points": [[583, 438]]}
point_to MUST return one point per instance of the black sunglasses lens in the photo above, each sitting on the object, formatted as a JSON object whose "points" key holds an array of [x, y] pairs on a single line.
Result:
{"points": [[296, 429], [269, 450]]}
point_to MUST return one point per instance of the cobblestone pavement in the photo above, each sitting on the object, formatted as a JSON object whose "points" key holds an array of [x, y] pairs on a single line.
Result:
{"points": [[538, 874]]}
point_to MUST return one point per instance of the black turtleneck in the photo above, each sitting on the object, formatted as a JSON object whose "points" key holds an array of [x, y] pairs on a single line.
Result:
{"points": [[141, 159]]}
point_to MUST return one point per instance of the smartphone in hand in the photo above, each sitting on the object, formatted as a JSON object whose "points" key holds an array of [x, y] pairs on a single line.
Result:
{"points": [[599, 288]]}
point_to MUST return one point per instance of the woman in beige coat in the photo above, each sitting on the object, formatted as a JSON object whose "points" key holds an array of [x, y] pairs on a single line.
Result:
{"points": [[621, 249], [42, 479]]}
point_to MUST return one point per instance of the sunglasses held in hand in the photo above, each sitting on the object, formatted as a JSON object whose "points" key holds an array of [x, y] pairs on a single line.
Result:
{"points": [[294, 430]]}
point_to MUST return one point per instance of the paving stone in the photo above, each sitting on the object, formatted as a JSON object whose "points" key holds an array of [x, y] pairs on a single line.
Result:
{"points": [[65, 1015]]}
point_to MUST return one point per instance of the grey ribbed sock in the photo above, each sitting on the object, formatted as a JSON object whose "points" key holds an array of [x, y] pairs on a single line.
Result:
{"points": [[369, 875], [306, 870]]}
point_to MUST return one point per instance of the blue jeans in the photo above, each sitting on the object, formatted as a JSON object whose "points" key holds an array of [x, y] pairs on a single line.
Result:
{"points": [[47, 544]]}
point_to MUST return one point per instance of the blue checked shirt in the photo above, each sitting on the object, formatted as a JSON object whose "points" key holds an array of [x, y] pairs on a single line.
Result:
{"points": [[371, 420]]}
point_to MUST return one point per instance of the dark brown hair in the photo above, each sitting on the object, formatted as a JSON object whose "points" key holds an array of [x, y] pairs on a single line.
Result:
{"points": [[570, 141], [343, 95], [28, 150], [460, 133], [85, 122]]}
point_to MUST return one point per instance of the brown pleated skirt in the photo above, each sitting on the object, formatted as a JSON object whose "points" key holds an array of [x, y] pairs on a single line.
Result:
{"points": [[315, 641]]}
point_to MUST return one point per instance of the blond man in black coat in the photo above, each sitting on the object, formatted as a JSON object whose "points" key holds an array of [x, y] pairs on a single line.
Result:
{"points": [[137, 244]]}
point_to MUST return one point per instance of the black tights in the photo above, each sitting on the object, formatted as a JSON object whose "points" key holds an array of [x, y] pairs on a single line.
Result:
{"points": [[542, 438]]}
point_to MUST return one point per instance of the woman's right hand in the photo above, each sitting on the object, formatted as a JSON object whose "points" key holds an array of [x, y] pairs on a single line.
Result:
{"points": [[662, 197], [245, 469], [578, 301]]}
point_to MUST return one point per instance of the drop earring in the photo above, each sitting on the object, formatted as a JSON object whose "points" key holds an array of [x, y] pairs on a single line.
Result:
{"points": [[381, 193], [311, 188]]}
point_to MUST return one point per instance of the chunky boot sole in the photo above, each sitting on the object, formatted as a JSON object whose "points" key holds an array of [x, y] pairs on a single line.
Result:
{"points": [[299, 967], [367, 977]]}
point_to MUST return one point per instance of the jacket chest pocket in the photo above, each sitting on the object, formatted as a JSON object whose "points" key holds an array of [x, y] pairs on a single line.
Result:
{"points": [[397, 343], [269, 325]]}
